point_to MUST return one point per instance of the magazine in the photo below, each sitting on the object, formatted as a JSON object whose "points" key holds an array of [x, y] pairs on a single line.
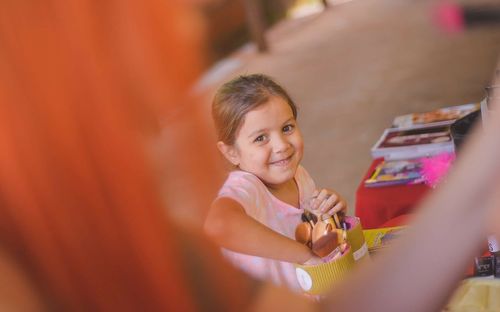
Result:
{"points": [[407, 143], [377, 239], [396, 172], [450, 113]]}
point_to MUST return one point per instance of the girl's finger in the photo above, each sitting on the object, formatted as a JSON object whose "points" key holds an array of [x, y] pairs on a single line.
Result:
{"points": [[322, 195], [338, 207], [308, 202], [329, 203], [311, 203], [316, 202]]}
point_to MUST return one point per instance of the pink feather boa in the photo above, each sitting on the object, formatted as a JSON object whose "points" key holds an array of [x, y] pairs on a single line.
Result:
{"points": [[435, 168]]}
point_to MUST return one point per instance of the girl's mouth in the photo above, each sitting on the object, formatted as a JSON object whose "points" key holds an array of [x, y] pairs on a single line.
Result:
{"points": [[282, 162]]}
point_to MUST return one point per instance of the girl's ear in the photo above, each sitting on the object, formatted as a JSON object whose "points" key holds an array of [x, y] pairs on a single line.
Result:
{"points": [[229, 152]]}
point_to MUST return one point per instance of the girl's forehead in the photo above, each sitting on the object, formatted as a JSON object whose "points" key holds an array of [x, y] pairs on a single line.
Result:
{"points": [[275, 104], [272, 113]]}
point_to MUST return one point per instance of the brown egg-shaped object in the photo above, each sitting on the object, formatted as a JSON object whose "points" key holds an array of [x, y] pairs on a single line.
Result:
{"points": [[303, 233]]}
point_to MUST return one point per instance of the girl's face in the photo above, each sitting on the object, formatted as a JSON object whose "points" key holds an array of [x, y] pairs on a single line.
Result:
{"points": [[269, 143]]}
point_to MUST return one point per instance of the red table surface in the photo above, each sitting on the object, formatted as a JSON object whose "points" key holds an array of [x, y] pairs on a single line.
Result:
{"points": [[377, 205], [392, 206]]}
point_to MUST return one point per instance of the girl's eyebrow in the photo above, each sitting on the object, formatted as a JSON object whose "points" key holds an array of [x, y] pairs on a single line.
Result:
{"points": [[289, 119]]}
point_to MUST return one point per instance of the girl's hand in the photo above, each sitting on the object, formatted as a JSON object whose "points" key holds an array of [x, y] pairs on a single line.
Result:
{"points": [[326, 201]]}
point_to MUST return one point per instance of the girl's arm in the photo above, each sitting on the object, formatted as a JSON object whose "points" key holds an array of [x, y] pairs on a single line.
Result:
{"points": [[230, 227]]}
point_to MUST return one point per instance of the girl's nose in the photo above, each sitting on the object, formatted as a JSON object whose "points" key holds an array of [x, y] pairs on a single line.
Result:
{"points": [[281, 144]]}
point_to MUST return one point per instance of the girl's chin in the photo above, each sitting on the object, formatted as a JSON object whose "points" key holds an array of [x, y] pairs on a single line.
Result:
{"points": [[282, 177]]}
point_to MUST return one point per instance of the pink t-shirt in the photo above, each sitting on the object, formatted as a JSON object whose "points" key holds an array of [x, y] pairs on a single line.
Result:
{"points": [[260, 204]]}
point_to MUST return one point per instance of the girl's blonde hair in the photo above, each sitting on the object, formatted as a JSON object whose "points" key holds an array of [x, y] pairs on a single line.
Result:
{"points": [[239, 96]]}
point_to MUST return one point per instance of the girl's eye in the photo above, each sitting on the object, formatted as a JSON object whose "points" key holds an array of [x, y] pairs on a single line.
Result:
{"points": [[260, 138], [288, 128]]}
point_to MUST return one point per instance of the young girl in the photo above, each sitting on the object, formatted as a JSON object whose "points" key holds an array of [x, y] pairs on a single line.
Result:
{"points": [[259, 206]]}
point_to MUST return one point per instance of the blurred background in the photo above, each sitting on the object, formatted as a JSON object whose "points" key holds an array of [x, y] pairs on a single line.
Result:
{"points": [[351, 66]]}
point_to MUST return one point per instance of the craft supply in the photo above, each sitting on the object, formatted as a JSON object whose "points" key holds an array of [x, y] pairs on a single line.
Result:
{"points": [[320, 229], [309, 217], [496, 264], [493, 245], [336, 219], [483, 266], [325, 244]]}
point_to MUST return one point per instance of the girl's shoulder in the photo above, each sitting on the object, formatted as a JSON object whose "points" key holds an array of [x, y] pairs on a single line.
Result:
{"points": [[243, 181], [244, 187], [242, 177]]}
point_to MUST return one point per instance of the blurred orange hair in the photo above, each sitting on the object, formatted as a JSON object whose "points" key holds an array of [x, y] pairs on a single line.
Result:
{"points": [[81, 83]]}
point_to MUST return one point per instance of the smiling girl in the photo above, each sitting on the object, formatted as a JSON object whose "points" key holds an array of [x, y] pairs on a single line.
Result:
{"points": [[259, 206]]}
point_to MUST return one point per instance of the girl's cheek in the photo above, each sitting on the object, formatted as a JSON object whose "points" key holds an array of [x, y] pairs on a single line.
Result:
{"points": [[300, 146], [257, 157]]}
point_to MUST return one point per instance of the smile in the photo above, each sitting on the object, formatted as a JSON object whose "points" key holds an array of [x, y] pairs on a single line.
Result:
{"points": [[282, 162]]}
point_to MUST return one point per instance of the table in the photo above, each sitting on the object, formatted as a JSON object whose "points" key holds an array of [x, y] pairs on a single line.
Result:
{"points": [[378, 206], [392, 206]]}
